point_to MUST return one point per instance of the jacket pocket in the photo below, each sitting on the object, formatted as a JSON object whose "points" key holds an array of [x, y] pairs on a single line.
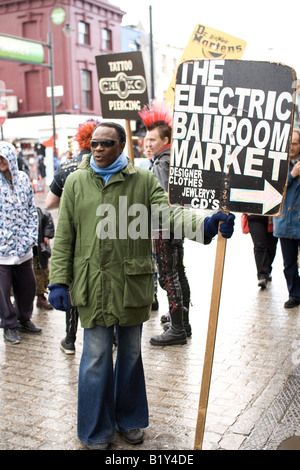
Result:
{"points": [[79, 288], [139, 282]]}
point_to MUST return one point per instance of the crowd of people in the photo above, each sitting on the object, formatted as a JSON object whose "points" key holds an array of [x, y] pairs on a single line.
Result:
{"points": [[107, 279]]}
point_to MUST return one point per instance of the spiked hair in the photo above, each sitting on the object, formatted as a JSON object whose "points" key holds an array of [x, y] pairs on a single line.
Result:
{"points": [[155, 113], [158, 116], [84, 133]]}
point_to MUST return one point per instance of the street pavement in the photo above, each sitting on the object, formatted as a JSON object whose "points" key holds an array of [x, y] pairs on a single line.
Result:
{"points": [[254, 400]]}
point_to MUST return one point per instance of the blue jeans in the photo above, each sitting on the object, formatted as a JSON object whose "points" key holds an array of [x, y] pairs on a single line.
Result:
{"points": [[111, 398], [289, 248]]}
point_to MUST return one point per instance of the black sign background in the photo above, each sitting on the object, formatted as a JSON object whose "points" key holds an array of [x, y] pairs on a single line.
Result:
{"points": [[122, 85], [260, 126]]}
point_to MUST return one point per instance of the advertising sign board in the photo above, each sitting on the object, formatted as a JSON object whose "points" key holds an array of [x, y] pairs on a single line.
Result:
{"points": [[122, 85], [58, 16], [231, 132], [11, 48], [208, 43]]}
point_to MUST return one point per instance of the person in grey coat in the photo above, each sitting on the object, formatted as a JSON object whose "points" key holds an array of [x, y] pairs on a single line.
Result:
{"points": [[287, 225]]}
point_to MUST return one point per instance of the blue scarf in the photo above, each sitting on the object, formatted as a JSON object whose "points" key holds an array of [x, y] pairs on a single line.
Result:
{"points": [[107, 173]]}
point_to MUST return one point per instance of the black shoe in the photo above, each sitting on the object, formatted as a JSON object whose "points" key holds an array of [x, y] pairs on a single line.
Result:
{"points": [[165, 318], [67, 347], [133, 436], [185, 319], [11, 335], [42, 302], [291, 303], [187, 327], [170, 337], [28, 327], [99, 446], [262, 283]]}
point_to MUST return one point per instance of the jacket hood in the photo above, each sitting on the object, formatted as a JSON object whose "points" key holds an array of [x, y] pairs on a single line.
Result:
{"points": [[8, 152]]}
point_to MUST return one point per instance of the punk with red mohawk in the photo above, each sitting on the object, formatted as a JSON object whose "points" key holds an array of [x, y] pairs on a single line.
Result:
{"points": [[169, 253]]}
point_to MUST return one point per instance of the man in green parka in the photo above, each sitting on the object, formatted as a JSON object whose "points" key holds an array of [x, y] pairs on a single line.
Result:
{"points": [[102, 258]]}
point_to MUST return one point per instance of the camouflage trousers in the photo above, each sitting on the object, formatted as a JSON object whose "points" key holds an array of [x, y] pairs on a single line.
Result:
{"points": [[41, 276]]}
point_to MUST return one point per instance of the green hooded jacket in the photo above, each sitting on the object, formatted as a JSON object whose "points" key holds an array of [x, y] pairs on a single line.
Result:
{"points": [[103, 247]]}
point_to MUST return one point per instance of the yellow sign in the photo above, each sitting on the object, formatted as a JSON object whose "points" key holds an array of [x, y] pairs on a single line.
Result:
{"points": [[208, 43]]}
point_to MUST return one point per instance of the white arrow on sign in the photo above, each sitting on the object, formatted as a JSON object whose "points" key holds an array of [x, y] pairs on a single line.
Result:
{"points": [[269, 197]]}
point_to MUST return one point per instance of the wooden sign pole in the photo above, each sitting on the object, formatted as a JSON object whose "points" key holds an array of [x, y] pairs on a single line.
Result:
{"points": [[210, 341], [129, 140]]}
